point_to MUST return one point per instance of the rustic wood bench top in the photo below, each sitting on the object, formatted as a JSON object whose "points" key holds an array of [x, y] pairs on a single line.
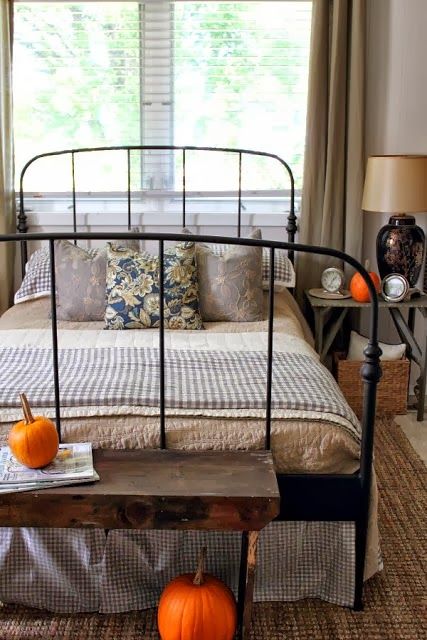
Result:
{"points": [[157, 489]]}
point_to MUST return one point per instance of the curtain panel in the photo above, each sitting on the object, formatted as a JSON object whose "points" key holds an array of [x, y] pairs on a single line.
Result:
{"points": [[7, 195], [334, 154]]}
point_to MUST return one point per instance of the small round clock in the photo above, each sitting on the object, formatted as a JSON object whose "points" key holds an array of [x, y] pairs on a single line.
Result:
{"points": [[333, 280], [394, 287]]}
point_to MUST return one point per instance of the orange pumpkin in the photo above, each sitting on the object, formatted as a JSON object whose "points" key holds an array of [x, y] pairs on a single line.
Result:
{"points": [[33, 441], [358, 287], [197, 607]]}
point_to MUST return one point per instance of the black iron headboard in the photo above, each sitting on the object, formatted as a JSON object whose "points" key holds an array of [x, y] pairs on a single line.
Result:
{"points": [[291, 224]]}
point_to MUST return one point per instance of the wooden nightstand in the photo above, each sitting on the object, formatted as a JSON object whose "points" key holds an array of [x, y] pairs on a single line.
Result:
{"points": [[329, 316]]}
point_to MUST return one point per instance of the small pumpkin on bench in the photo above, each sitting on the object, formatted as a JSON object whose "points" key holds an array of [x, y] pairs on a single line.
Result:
{"points": [[197, 607], [33, 441]]}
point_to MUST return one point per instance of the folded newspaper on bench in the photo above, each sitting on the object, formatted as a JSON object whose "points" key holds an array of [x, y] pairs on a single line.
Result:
{"points": [[72, 465]]}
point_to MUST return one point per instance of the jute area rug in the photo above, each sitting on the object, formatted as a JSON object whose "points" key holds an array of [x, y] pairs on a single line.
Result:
{"points": [[395, 600]]}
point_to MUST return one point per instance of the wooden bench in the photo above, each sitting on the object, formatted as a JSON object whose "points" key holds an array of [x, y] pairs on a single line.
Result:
{"points": [[158, 489]]}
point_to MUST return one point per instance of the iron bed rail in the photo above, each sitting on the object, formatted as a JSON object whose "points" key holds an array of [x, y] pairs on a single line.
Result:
{"points": [[333, 497]]}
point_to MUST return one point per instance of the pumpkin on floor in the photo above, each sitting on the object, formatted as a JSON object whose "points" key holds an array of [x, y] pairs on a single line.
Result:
{"points": [[197, 607], [33, 441]]}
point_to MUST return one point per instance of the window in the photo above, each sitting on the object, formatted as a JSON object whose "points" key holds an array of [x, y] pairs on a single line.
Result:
{"points": [[199, 73]]}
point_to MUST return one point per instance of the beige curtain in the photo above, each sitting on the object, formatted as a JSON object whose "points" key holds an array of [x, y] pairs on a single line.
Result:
{"points": [[334, 154], [7, 199]]}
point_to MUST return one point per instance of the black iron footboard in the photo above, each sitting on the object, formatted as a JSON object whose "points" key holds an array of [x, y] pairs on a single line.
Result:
{"points": [[330, 497]]}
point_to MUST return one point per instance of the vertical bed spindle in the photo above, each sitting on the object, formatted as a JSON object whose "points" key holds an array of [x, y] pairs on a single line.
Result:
{"points": [[73, 178], [162, 346], [239, 209], [54, 336], [184, 199], [128, 188], [270, 349], [291, 226]]}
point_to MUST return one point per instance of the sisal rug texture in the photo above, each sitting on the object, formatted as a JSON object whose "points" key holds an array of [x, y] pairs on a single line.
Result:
{"points": [[395, 600]]}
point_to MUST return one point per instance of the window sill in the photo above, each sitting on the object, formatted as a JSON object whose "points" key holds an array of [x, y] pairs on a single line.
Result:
{"points": [[193, 219]]}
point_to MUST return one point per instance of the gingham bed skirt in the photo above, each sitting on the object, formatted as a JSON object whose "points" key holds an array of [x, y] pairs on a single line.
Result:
{"points": [[77, 570]]}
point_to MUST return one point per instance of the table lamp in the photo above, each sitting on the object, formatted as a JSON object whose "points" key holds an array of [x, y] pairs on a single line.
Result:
{"points": [[398, 185]]}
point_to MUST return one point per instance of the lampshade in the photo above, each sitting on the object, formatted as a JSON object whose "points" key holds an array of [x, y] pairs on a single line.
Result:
{"points": [[396, 184]]}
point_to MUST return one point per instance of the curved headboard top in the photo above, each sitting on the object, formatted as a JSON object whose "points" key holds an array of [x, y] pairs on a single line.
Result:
{"points": [[291, 224]]}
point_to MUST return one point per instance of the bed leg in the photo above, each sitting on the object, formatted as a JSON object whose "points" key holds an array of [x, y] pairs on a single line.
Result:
{"points": [[361, 535]]}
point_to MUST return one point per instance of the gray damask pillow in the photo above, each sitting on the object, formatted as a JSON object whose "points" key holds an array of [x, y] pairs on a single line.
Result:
{"points": [[80, 282], [230, 285]]}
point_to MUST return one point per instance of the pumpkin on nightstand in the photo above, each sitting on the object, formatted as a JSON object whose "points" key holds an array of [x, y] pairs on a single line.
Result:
{"points": [[33, 441], [358, 287], [197, 607]]}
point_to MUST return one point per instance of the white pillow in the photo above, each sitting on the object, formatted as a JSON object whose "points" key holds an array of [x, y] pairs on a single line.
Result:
{"points": [[358, 344]]}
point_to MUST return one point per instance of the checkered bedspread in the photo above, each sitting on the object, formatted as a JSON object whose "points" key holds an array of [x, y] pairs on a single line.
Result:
{"points": [[193, 380], [80, 570]]}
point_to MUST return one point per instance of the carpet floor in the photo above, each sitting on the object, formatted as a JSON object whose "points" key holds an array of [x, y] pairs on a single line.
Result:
{"points": [[395, 600]]}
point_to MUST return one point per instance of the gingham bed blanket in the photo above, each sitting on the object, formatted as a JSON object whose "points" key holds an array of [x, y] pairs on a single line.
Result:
{"points": [[199, 380]]}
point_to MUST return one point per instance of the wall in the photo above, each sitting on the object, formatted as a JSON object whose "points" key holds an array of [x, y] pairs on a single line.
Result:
{"points": [[396, 105]]}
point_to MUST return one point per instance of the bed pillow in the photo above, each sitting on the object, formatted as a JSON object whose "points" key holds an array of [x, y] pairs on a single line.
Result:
{"points": [[80, 282], [133, 289], [231, 283], [284, 273], [358, 344], [36, 281]]}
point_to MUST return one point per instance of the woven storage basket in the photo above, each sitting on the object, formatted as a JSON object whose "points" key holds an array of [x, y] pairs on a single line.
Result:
{"points": [[392, 390]]}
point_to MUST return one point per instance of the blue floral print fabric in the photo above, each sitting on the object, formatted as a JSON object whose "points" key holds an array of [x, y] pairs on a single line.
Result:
{"points": [[133, 289]]}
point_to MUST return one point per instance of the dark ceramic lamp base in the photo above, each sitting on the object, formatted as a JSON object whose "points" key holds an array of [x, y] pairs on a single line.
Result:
{"points": [[400, 248]]}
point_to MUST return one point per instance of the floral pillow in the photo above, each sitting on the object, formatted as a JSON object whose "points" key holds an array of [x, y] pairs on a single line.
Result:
{"points": [[133, 289]]}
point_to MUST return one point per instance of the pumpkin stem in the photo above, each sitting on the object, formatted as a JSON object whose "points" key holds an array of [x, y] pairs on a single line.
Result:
{"points": [[198, 578], [29, 418]]}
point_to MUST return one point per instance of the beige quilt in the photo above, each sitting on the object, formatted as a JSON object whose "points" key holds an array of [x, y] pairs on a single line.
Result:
{"points": [[314, 442]]}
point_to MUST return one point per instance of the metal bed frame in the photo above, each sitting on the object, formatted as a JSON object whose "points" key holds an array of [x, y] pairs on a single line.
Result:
{"points": [[309, 497]]}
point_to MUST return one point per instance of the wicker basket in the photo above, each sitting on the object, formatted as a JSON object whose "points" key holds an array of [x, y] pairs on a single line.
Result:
{"points": [[392, 390]]}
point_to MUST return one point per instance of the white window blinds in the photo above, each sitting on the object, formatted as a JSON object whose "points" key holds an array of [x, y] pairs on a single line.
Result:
{"points": [[197, 73]]}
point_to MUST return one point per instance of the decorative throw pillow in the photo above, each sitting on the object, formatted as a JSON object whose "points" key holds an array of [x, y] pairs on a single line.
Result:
{"points": [[80, 282], [358, 344], [133, 289], [36, 282], [284, 272], [231, 283]]}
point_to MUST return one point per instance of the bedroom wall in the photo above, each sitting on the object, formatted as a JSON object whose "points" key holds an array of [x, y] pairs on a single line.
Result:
{"points": [[396, 105]]}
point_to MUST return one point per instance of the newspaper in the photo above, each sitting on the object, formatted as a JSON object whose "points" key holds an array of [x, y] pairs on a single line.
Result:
{"points": [[72, 464]]}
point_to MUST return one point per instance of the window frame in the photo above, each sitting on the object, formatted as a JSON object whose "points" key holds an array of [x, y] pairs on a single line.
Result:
{"points": [[47, 204]]}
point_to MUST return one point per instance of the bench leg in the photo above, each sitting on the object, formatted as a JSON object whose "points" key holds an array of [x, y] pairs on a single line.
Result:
{"points": [[246, 582]]}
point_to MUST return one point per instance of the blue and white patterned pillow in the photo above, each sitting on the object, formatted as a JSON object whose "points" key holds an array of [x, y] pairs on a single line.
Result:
{"points": [[133, 289]]}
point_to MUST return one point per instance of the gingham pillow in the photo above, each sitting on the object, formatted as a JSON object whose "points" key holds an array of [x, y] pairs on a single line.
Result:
{"points": [[36, 282]]}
